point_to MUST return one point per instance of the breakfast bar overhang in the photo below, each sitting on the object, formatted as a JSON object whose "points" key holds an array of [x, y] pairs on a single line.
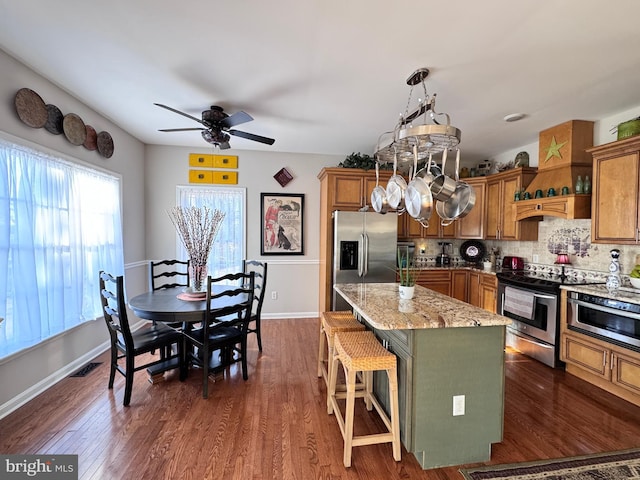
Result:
{"points": [[450, 370]]}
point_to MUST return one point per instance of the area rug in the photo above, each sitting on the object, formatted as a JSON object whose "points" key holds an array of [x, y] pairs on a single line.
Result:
{"points": [[623, 465]]}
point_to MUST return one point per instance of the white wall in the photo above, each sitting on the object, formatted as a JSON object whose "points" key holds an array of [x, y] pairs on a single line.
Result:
{"points": [[26, 374], [295, 278]]}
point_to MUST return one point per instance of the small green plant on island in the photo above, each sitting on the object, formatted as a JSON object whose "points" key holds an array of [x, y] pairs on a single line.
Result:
{"points": [[406, 269]]}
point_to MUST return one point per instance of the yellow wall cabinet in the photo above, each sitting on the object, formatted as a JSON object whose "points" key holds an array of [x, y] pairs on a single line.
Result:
{"points": [[213, 176], [206, 160]]}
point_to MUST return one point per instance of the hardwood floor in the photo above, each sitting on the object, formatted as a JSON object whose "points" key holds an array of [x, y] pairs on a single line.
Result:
{"points": [[275, 424]]}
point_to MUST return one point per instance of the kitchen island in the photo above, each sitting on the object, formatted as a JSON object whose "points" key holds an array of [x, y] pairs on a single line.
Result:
{"points": [[450, 370]]}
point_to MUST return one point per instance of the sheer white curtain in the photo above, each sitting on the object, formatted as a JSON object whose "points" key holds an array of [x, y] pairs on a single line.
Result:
{"points": [[60, 224], [229, 246]]}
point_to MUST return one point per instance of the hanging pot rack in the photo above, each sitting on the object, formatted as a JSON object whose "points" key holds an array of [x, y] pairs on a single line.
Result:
{"points": [[429, 138]]}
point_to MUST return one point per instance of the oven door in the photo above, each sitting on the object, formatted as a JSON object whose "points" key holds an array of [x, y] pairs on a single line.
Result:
{"points": [[539, 322]]}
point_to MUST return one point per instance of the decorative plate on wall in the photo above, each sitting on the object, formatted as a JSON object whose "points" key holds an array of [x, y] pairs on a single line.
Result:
{"points": [[74, 129], [105, 144], [472, 251], [54, 120], [91, 142], [31, 108]]}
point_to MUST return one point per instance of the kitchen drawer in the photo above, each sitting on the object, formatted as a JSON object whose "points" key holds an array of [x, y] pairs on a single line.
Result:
{"points": [[204, 160], [213, 176]]}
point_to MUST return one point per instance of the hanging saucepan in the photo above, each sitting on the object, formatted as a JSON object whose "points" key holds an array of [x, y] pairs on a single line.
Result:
{"points": [[379, 195], [396, 187], [417, 197], [442, 186], [460, 203]]}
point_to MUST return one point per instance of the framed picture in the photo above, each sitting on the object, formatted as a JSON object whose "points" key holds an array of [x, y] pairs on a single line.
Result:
{"points": [[282, 229]]}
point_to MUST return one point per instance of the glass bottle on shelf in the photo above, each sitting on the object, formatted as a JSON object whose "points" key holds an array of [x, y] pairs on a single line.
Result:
{"points": [[579, 185], [587, 185]]}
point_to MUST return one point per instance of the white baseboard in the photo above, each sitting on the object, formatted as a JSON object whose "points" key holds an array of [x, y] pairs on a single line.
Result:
{"points": [[35, 390]]}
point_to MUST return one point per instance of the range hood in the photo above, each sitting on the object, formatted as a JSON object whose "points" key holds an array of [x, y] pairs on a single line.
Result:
{"points": [[562, 158]]}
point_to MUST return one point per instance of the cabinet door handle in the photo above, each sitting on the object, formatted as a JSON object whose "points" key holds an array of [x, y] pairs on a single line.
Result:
{"points": [[604, 359]]}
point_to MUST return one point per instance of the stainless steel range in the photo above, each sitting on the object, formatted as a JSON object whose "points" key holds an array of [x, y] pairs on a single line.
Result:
{"points": [[531, 299]]}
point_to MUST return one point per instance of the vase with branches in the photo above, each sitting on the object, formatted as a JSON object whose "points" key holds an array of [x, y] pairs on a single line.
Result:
{"points": [[197, 228]]}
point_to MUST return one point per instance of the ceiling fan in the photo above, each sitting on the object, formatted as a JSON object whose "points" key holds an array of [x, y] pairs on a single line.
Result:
{"points": [[217, 126]]}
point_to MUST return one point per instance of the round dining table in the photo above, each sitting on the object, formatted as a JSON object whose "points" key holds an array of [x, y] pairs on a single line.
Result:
{"points": [[164, 306]]}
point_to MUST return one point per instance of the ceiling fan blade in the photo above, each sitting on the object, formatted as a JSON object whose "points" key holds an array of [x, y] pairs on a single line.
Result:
{"points": [[235, 119], [251, 136], [180, 129], [179, 112]]}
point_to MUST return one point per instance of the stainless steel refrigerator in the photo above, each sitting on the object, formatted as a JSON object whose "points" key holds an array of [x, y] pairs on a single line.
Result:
{"points": [[364, 250]]}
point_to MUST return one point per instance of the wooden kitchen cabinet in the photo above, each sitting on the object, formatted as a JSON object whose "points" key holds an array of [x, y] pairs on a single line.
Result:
{"points": [[459, 281], [482, 290], [615, 207], [472, 226], [436, 230], [500, 222], [613, 368], [410, 228], [474, 287], [488, 291], [436, 280]]}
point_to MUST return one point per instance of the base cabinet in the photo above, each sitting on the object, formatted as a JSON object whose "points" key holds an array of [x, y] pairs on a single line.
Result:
{"points": [[400, 343], [436, 280], [434, 365], [613, 368]]}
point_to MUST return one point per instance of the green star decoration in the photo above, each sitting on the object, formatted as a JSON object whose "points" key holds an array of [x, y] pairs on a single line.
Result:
{"points": [[554, 149]]}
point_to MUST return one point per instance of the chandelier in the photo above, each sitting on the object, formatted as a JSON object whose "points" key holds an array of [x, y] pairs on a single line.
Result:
{"points": [[430, 137]]}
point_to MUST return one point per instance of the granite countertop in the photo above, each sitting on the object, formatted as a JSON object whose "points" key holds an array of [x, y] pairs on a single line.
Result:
{"points": [[380, 305], [625, 294]]}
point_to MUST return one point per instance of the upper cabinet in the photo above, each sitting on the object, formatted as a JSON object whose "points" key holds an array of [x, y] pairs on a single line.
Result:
{"points": [[500, 219], [472, 226], [350, 189], [616, 192]]}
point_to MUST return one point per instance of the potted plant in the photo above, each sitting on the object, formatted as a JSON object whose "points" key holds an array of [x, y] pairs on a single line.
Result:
{"points": [[407, 272]]}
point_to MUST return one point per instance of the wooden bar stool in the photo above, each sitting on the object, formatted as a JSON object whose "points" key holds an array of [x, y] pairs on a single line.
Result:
{"points": [[330, 323], [362, 352]]}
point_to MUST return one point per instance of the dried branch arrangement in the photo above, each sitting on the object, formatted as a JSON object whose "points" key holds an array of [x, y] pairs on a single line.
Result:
{"points": [[197, 228]]}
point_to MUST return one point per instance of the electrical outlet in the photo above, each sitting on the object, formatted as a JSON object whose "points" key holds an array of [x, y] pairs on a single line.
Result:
{"points": [[536, 258], [274, 295], [458, 405]]}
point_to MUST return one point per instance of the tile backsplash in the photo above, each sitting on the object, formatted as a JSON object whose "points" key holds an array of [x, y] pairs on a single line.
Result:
{"points": [[554, 235]]}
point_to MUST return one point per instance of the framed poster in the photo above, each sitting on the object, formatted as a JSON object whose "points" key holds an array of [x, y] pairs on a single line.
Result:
{"points": [[282, 217]]}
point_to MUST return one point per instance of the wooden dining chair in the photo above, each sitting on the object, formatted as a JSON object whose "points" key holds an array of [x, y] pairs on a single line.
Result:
{"points": [[126, 344], [260, 269], [225, 325], [168, 274]]}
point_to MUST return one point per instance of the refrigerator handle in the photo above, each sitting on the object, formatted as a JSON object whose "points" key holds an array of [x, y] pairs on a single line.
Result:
{"points": [[366, 254], [361, 249]]}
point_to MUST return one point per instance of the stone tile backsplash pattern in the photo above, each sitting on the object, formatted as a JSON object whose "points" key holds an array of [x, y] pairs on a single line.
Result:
{"points": [[553, 234]]}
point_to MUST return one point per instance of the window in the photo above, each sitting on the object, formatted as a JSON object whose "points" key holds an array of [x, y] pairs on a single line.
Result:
{"points": [[229, 246], [60, 224]]}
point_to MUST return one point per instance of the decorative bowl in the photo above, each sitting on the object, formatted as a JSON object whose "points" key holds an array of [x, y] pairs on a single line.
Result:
{"points": [[635, 282]]}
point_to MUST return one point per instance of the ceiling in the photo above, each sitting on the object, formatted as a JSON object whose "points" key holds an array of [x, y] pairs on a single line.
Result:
{"points": [[329, 76]]}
